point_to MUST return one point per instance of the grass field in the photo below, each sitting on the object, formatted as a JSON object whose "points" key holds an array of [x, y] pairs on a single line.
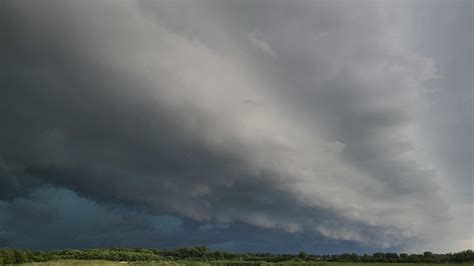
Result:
{"points": [[223, 263]]}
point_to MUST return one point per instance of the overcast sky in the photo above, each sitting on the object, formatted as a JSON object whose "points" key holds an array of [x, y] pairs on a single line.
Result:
{"points": [[279, 126]]}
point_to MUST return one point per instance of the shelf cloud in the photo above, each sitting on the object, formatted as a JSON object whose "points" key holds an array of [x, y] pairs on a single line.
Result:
{"points": [[303, 118]]}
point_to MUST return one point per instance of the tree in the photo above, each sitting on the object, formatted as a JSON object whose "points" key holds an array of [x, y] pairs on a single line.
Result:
{"points": [[303, 255]]}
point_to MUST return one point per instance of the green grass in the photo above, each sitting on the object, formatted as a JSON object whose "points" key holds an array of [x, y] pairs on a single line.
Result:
{"points": [[223, 263], [92, 262]]}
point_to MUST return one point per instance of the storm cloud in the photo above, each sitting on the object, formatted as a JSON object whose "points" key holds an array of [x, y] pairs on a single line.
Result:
{"points": [[299, 118]]}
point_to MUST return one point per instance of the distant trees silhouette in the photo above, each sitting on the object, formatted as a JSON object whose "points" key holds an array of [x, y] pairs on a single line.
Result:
{"points": [[202, 253]]}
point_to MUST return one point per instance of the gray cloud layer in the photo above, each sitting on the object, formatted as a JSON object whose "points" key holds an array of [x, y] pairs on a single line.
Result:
{"points": [[302, 117]]}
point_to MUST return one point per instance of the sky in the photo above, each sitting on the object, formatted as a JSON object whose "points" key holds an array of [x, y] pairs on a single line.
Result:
{"points": [[251, 126]]}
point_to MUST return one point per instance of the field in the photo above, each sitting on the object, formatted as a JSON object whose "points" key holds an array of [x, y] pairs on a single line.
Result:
{"points": [[202, 256], [224, 263]]}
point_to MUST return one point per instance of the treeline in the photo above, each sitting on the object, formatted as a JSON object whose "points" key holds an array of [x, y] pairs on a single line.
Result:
{"points": [[12, 256]]}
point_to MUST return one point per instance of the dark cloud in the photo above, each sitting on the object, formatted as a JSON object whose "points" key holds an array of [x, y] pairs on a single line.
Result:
{"points": [[69, 221], [195, 116]]}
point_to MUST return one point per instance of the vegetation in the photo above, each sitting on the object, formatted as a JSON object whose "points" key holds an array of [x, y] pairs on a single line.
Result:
{"points": [[195, 255], [223, 263]]}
